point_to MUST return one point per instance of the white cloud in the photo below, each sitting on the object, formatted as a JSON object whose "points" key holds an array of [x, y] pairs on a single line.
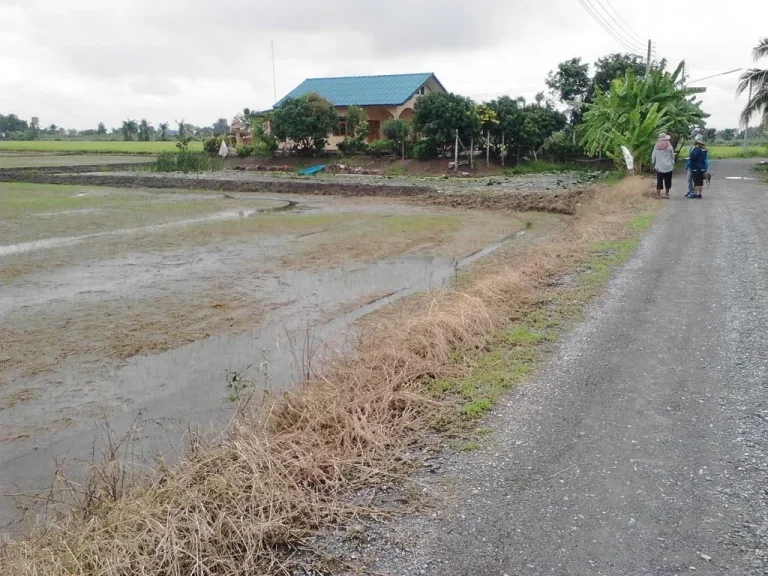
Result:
{"points": [[78, 62]]}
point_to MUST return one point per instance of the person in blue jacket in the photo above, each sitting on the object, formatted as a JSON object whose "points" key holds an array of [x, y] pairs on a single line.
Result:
{"points": [[691, 192], [698, 163]]}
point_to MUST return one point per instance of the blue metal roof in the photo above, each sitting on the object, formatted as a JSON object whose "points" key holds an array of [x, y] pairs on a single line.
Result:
{"points": [[390, 90]]}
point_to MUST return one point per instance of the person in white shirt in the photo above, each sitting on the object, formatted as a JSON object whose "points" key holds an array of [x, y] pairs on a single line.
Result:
{"points": [[663, 160]]}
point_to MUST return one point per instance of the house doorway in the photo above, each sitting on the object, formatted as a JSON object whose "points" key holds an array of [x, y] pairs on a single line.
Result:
{"points": [[374, 130]]}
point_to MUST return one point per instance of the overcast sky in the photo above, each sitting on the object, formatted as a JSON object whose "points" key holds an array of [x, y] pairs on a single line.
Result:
{"points": [[78, 62]]}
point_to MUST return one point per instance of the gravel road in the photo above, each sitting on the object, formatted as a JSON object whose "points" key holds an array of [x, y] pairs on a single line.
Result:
{"points": [[642, 448]]}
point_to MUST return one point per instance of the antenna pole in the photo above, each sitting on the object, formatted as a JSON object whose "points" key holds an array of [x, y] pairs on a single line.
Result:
{"points": [[274, 74], [648, 60]]}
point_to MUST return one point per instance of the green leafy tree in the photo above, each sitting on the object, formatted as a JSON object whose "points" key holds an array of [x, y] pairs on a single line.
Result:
{"points": [[145, 130], [525, 127], [305, 121], [101, 130], [220, 127], [755, 82], [163, 126], [356, 130], [12, 123], [264, 142], [181, 133], [571, 85], [727, 134], [538, 125], [129, 129], [613, 66], [437, 116], [397, 130], [635, 110], [357, 121]]}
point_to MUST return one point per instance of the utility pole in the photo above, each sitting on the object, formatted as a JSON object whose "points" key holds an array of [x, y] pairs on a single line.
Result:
{"points": [[648, 61], [746, 124], [274, 74]]}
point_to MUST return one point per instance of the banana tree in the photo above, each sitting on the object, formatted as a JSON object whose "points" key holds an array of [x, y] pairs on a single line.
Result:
{"points": [[635, 110]]}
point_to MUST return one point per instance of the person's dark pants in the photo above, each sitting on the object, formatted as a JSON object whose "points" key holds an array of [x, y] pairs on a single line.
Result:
{"points": [[663, 180]]}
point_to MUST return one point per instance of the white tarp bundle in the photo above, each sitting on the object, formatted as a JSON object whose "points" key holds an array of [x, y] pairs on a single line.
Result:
{"points": [[223, 150], [628, 158]]}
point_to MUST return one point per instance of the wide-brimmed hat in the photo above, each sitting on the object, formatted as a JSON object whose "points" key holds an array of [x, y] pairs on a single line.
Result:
{"points": [[664, 136], [699, 140]]}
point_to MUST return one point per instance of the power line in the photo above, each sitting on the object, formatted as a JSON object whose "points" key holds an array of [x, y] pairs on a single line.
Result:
{"points": [[608, 28], [611, 28], [715, 75], [619, 21]]}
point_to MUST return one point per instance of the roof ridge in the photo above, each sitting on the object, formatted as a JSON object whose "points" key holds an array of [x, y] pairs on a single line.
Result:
{"points": [[371, 76]]}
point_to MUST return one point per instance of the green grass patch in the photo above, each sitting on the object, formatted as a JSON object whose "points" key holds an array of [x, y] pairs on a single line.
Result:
{"points": [[540, 167], [468, 446], [95, 147], [613, 177], [522, 348], [726, 152], [185, 161], [394, 170], [642, 222]]}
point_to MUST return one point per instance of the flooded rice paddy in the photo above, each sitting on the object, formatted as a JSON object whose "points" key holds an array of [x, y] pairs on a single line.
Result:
{"points": [[117, 304]]}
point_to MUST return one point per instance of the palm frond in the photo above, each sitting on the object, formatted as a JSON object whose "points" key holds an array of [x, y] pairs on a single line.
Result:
{"points": [[753, 79], [758, 103], [761, 50]]}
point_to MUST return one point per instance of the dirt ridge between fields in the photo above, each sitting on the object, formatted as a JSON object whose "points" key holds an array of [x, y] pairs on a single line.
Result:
{"points": [[561, 203]]}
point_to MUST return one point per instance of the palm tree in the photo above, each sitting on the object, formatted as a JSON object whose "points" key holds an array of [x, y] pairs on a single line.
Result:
{"points": [[163, 130], [145, 130], [129, 129], [755, 81]]}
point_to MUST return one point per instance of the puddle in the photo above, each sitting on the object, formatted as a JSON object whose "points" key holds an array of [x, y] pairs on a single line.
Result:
{"points": [[187, 386], [72, 212], [24, 247], [738, 178]]}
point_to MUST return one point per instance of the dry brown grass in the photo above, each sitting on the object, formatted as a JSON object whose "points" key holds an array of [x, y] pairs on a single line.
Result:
{"points": [[236, 507]]}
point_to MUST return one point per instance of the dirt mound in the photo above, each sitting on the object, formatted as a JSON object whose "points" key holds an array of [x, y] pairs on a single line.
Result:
{"points": [[562, 203]]}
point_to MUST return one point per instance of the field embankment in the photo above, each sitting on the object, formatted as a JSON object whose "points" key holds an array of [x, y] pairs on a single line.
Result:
{"points": [[290, 464]]}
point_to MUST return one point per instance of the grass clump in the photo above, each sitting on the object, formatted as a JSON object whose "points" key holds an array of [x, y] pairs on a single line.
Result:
{"points": [[185, 161], [538, 167], [287, 466]]}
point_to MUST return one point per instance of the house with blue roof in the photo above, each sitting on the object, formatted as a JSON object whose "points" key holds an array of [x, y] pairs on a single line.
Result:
{"points": [[382, 97]]}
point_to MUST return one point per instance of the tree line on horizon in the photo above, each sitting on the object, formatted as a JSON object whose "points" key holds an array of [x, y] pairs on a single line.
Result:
{"points": [[14, 128]]}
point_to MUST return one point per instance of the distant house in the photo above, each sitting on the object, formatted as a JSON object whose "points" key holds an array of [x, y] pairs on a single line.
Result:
{"points": [[382, 97]]}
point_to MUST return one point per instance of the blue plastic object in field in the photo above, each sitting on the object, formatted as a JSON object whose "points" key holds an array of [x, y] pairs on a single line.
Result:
{"points": [[312, 170]]}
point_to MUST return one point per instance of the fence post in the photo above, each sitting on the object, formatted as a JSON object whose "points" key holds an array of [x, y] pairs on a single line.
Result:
{"points": [[488, 147], [456, 154]]}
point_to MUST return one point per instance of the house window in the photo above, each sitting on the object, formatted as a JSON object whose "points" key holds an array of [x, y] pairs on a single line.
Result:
{"points": [[341, 129]]}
